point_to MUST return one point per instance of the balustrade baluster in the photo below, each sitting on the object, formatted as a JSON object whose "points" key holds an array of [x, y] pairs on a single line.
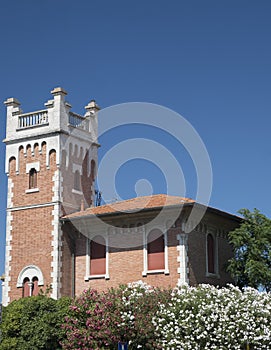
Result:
{"points": [[32, 119]]}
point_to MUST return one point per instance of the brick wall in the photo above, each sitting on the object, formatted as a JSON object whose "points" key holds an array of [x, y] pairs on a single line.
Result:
{"points": [[80, 159], [126, 265], [44, 177], [31, 227], [31, 245], [66, 271], [197, 257]]}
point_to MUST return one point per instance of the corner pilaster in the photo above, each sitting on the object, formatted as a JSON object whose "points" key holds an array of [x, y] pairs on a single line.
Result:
{"points": [[182, 259]]}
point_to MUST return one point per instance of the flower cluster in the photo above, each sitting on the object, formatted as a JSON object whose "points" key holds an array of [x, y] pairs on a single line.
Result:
{"points": [[197, 318], [100, 320], [207, 317], [140, 303]]}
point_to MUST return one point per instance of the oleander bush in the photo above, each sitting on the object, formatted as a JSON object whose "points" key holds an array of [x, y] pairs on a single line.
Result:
{"points": [[207, 317], [196, 318], [203, 317], [101, 320]]}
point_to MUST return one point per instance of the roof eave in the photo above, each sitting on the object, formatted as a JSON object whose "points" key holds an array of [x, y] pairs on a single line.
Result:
{"points": [[119, 213]]}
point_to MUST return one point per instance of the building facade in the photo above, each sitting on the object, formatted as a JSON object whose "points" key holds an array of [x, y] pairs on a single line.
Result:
{"points": [[153, 238], [48, 152], [56, 238]]}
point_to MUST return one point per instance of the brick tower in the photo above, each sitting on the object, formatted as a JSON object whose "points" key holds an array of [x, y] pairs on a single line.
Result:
{"points": [[51, 158]]}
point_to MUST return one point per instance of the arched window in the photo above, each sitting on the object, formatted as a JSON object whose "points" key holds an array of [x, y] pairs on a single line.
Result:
{"points": [[43, 147], [36, 150], [35, 286], [12, 165], [30, 288], [70, 151], [52, 157], [97, 256], [26, 287], [92, 169], [81, 153], [210, 254], [75, 151], [64, 158], [32, 178], [21, 158], [77, 181], [85, 164], [28, 151], [156, 250], [30, 279]]}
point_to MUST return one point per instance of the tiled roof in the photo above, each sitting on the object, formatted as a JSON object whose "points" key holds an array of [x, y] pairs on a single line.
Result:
{"points": [[133, 205]]}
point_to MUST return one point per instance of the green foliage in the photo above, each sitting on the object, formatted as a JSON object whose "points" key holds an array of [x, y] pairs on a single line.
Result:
{"points": [[34, 323], [251, 265], [140, 303], [100, 320], [197, 318]]}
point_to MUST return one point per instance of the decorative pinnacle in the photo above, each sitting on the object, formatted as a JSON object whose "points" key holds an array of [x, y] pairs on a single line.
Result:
{"points": [[12, 102], [92, 106], [58, 91]]}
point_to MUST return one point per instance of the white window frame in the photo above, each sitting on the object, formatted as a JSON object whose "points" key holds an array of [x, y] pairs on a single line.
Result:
{"points": [[29, 166], [146, 271], [30, 272], [216, 265]]}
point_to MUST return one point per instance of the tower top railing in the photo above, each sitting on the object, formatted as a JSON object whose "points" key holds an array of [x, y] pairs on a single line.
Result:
{"points": [[40, 118], [56, 116], [34, 119], [78, 121]]}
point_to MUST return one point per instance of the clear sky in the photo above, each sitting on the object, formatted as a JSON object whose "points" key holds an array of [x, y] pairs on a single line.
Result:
{"points": [[210, 61]]}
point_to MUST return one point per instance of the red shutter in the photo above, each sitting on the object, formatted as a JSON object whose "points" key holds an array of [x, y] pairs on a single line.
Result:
{"points": [[97, 256], [156, 250], [35, 287], [26, 288]]}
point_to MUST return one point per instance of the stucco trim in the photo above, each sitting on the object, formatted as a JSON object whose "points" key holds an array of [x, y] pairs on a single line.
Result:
{"points": [[30, 272], [182, 259]]}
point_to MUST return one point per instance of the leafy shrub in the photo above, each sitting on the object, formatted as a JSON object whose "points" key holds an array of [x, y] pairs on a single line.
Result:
{"points": [[196, 318], [210, 318], [34, 323], [100, 320]]}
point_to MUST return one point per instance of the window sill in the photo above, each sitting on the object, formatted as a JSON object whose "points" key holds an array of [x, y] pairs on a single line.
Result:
{"points": [[212, 275], [153, 272], [77, 192], [32, 190], [93, 277]]}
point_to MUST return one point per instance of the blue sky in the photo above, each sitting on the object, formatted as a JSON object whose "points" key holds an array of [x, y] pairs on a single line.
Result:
{"points": [[210, 61]]}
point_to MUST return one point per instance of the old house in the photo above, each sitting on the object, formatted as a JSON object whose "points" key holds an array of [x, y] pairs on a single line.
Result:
{"points": [[57, 238]]}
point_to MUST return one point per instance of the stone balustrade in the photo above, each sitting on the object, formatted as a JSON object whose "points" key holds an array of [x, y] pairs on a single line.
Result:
{"points": [[77, 121], [29, 120]]}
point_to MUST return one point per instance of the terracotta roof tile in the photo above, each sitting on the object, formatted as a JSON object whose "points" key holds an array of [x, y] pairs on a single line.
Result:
{"points": [[133, 205]]}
